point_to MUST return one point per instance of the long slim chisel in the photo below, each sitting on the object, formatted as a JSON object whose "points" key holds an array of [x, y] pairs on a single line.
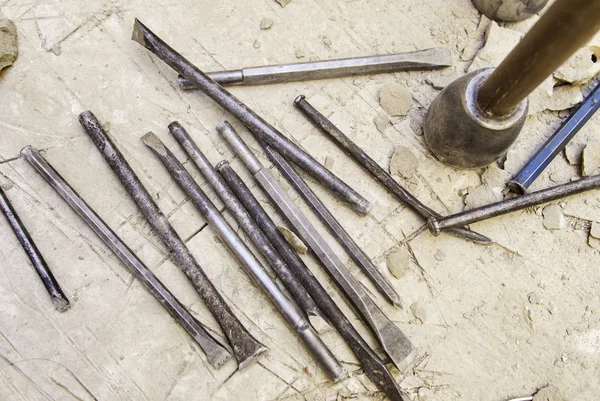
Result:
{"points": [[372, 365], [356, 153], [392, 339], [246, 348], [256, 124], [289, 279], [334, 226], [58, 297], [215, 352], [288, 309], [427, 59]]}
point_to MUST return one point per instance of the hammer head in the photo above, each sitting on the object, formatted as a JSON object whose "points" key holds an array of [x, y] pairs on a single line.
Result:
{"points": [[462, 135]]}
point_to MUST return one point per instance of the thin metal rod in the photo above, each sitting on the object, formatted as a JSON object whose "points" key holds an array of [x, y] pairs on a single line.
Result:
{"points": [[215, 352], [289, 279], [428, 59], [393, 341], [511, 205], [565, 27], [288, 309], [246, 348], [334, 226], [371, 166], [58, 297], [257, 125], [556, 143], [372, 365]]}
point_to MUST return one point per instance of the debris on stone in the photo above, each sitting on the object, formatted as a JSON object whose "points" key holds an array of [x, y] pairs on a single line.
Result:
{"points": [[442, 82], [481, 196], [283, 3], [595, 230], [7, 185], [581, 67], [395, 99], [8, 42], [573, 153], [593, 242], [266, 23], [293, 239], [403, 162], [398, 262], [418, 312], [425, 394], [550, 393], [535, 298], [382, 121], [329, 162], [590, 159], [299, 53], [554, 219], [439, 255], [499, 42], [256, 44], [564, 97], [495, 177]]}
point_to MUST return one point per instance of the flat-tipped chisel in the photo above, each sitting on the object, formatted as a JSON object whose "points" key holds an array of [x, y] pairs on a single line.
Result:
{"points": [[393, 341], [246, 348], [216, 354]]}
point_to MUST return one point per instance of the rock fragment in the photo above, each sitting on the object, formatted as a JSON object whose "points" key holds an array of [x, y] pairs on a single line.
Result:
{"points": [[382, 122], [439, 255], [550, 393], [283, 3], [403, 162], [266, 23], [595, 230], [535, 298], [398, 262], [554, 219], [8, 42], [299, 53], [573, 153], [499, 42], [481, 196], [593, 242], [581, 67], [395, 99], [442, 82], [7, 185], [293, 239], [590, 159], [328, 162], [418, 312], [256, 44]]}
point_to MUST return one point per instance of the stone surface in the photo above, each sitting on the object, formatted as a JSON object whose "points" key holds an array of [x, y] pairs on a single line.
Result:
{"points": [[418, 312], [481, 196], [499, 41], [8, 42], [293, 239], [442, 82], [395, 99], [554, 219]]}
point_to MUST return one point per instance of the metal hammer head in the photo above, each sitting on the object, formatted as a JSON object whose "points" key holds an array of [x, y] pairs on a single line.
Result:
{"points": [[461, 134], [509, 10]]}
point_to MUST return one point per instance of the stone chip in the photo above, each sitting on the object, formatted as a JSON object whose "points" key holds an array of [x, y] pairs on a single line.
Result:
{"points": [[293, 239], [395, 99], [8, 42], [403, 162], [554, 219]]}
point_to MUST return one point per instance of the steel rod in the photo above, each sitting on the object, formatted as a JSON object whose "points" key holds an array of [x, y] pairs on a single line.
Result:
{"points": [[511, 205], [215, 352], [566, 26], [288, 278], [393, 341], [256, 124], [334, 226], [556, 143], [246, 348], [288, 309], [57, 296], [372, 365], [427, 59], [371, 166]]}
